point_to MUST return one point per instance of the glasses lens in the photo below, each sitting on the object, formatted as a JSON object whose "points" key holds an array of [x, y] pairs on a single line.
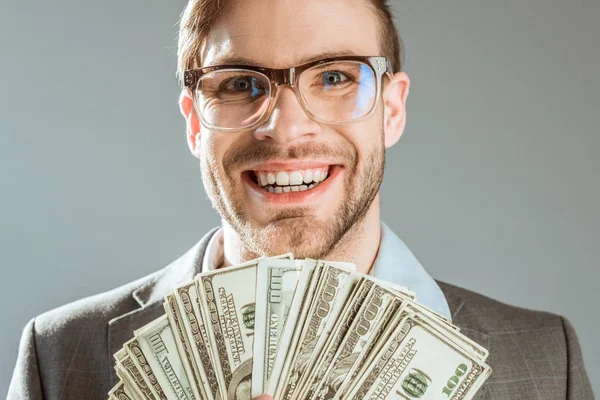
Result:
{"points": [[232, 99], [339, 91]]}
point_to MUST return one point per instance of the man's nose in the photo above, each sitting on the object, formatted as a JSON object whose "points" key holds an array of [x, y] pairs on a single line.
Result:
{"points": [[288, 121]]}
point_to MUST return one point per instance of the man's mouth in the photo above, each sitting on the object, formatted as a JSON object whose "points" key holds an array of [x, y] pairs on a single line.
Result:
{"points": [[279, 181], [290, 181]]}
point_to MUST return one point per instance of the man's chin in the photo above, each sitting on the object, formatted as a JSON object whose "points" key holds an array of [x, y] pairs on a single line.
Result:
{"points": [[304, 237]]}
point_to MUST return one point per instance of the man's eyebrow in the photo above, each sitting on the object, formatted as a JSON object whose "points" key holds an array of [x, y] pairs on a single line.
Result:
{"points": [[233, 60]]}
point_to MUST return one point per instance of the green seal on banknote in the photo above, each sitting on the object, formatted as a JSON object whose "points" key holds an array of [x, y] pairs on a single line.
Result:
{"points": [[248, 316], [416, 383]]}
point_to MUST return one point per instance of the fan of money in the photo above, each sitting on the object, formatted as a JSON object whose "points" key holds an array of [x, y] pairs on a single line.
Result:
{"points": [[297, 329]]}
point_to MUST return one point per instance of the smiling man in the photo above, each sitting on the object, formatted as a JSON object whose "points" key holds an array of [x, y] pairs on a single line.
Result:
{"points": [[290, 106], [291, 135]]}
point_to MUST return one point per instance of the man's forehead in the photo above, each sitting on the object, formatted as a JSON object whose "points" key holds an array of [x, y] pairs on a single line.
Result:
{"points": [[282, 34]]}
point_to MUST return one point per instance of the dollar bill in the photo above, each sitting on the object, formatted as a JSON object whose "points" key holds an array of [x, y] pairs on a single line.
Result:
{"points": [[399, 312], [419, 312], [122, 391], [320, 361], [128, 372], [365, 289], [157, 342], [399, 289], [431, 315], [183, 347], [188, 304], [132, 389], [276, 283], [133, 349], [335, 287], [363, 331], [420, 361], [292, 331], [228, 303]]}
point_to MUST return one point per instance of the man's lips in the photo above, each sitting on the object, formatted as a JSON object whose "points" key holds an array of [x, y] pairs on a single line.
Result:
{"points": [[287, 165], [291, 186]]}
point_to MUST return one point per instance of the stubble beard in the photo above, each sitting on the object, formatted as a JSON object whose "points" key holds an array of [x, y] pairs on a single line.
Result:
{"points": [[293, 230]]}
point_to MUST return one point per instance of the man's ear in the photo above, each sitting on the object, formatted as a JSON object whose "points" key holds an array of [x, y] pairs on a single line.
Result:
{"points": [[186, 106], [394, 107]]}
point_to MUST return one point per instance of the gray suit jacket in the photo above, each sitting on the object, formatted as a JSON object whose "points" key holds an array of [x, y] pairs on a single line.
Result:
{"points": [[67, 353]]}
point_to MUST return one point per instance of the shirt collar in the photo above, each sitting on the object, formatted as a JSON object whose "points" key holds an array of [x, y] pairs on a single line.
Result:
{"points": [[394, 263], [213, 256]]}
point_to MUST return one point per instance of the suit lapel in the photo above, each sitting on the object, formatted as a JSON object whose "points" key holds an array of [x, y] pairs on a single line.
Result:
{"points": [[149, 297]]}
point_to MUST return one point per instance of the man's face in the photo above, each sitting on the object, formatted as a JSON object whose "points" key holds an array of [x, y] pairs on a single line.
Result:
{"points": [[309, 220]]}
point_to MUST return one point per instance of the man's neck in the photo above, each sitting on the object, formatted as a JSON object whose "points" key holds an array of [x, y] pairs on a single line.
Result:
{"points": [[359, 246]]}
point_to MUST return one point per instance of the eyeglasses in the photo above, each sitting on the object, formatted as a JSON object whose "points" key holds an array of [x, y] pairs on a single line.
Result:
{"points": [[337, 90]]}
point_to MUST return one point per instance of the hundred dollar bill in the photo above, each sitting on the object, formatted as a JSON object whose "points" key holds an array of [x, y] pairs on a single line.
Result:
{"points": [[356, 342], [419, 312], [431, 315], [183, 347], [402, 291], [128, 372], [133, 349], [420, 361], [461, 340], [308, 303], [325, 358], [276, 282], [188, 304], [400, 311], [335, 286], [123, 377], [157, 342], [121, 391], [307, 284], [320, 361], [228, 303]]}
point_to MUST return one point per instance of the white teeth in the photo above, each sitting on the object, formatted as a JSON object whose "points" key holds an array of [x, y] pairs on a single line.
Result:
{"points": [[295, 188], [271, 189], [312, 185], [278, 189], [308, 176], [302, 188], [283, 178], [291, 178], [295, 178], [263, 179], [286, 189], [317, 176]]}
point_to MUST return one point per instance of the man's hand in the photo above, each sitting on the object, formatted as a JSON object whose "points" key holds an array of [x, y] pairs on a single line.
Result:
{"points": [[264, 397]]}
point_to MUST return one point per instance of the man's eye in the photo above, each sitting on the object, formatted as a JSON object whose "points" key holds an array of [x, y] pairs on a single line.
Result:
{"points": [[242, 84], [334, 78]]}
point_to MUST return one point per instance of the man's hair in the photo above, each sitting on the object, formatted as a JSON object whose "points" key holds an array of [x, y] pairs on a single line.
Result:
{"points": [[199, 16]]}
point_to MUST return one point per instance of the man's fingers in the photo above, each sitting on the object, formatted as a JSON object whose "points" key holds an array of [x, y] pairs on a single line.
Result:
{"points": [[264, 397]]}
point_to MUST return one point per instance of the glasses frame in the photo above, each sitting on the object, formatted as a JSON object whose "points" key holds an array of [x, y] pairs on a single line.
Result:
{"points": [[277, 78]]}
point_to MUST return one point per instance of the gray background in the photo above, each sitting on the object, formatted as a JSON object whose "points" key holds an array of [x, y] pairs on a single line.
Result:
{"points": [[494, 185]]}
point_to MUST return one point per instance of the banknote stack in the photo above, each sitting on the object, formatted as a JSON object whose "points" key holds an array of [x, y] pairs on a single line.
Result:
{"points": [[297, 329]]}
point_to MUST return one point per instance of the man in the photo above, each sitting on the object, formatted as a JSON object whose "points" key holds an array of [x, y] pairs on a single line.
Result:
{"points": [[293, 159]]}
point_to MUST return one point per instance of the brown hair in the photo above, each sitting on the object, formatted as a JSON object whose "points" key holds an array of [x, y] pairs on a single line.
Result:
{"points": [[199, 16]]}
